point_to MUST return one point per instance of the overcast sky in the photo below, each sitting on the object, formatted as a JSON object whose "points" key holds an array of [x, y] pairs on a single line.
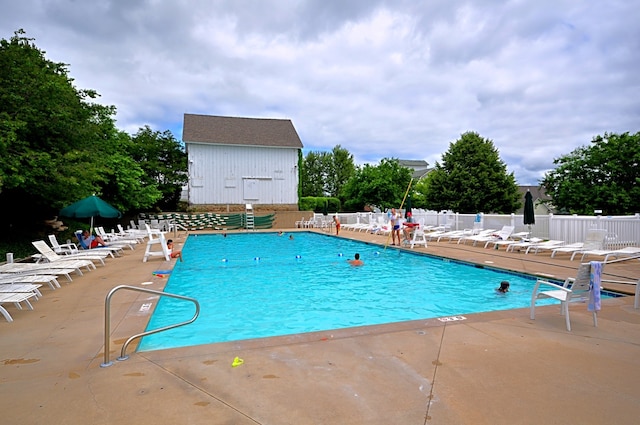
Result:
{"points": [[395, 79]]}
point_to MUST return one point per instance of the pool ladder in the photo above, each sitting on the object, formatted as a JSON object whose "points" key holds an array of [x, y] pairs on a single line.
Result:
{"points": [[107, 320]]}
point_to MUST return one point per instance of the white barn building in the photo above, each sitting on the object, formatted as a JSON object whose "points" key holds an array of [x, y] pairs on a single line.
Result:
{"points": [[238, 161]]}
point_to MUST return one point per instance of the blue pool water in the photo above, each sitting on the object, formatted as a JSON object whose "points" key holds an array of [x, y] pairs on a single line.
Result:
{"points": [[261, 285]]}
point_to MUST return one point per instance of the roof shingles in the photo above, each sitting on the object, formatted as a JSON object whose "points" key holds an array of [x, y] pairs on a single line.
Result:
{"points": [[240, 131]]}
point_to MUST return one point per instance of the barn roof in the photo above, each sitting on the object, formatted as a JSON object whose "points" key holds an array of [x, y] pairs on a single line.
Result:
{"points": [[240, 131]]}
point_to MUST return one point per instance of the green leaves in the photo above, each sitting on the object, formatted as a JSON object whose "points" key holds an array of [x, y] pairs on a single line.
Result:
{"points": [[603, 176], [383, 185], [471, 178], [324, 173], [57, 146]]}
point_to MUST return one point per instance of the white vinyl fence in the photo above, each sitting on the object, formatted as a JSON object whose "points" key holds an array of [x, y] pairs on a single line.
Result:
{"points": [[621, 230]]}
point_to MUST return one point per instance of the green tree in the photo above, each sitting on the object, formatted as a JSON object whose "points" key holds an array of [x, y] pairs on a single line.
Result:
{"points": [[312, 175], [383, 185], [603, 176], [163, 160], [472, 178], [417, 192], [341, 168], [57, 145], [324, 173], [42, 123]]}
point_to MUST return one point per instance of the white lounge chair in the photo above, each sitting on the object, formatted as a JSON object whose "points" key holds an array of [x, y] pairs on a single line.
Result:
{"points": [[526, 243], [490, 235], [481, 234], [547, 245], [593, 241], [70, 250], [39, 269], [14, 298], [452, 235], [50, 256], [628, 251], [49, 279], [577, 289], [512, 239], [59, 248], [115, 248], [475, 230], [140, 235], [114, 237], [21, 288]]}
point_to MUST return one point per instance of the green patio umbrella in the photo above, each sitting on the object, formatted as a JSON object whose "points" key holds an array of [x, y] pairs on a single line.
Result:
{"points": [[529, 213], [90, 207]]}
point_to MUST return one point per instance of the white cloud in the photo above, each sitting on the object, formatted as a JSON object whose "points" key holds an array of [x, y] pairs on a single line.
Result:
{"points": [[396, 79]]}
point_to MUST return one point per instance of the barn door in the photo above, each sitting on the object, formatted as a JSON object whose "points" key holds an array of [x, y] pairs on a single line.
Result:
{"points": [[250, 191]]}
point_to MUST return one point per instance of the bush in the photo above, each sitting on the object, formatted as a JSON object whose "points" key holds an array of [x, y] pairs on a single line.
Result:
{"points": [[319, 204]]}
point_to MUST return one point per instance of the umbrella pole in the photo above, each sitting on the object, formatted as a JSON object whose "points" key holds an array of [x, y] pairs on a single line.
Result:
{"points": [[90, 232]]}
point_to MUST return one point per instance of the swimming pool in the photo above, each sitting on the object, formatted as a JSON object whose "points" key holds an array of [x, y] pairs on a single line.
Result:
{"points": [[261, 284]]}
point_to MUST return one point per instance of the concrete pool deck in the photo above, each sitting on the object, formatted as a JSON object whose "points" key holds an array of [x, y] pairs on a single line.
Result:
{"points": [[491, 368]]}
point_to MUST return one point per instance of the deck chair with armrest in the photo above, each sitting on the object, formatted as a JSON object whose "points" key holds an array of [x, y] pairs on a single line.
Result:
{"points": [[51, 257], [116, 249], [156, 240], [419, 237], [70, 250], [66, 248], [578, 289], [113, 238]]}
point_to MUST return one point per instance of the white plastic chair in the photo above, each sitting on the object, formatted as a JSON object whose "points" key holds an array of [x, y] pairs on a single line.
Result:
{"points": [[574, 289]]}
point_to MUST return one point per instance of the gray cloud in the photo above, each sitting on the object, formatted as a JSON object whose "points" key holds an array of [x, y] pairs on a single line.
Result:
{"points": [[396, 79]]}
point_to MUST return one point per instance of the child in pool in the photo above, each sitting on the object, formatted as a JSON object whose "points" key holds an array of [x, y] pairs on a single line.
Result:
{"points": [[172, 253], [504, 287]]}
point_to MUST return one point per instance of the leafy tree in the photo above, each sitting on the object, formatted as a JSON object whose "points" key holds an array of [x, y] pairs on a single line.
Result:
{"points": [[43, 124], [324, 173], [164, 162], [472, 178], [417, 192], [57, 145], [603, 176], [340, 170], [312, 175], [383, 185]]}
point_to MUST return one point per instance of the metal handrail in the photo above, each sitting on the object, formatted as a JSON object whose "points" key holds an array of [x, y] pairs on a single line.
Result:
{"points": [[107, 320]]}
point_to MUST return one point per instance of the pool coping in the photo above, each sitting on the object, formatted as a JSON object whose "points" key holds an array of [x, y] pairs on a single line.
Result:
{"points": [[429, 372]]}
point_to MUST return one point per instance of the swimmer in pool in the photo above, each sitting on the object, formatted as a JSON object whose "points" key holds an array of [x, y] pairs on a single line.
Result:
{"points": [[504, 287], [172, 253], [356, 261]]}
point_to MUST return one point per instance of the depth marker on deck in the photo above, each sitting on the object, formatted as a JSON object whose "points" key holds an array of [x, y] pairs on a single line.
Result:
{"points": [[451, 318]]}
